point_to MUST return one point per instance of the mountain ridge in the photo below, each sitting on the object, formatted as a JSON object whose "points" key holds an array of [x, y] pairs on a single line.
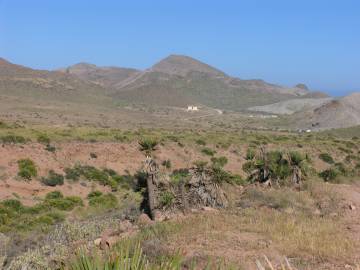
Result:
{"points": [[175, 81]]}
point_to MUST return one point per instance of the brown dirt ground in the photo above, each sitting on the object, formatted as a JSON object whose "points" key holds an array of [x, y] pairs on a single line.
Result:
{"points": [[223, 240]]}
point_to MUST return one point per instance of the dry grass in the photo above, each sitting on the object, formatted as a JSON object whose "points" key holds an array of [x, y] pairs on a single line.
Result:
{"points": [[297, 235], [233, 235]]}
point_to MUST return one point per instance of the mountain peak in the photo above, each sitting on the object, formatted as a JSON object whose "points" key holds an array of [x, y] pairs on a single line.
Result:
{"points": [[302, 86], [182, 65]]}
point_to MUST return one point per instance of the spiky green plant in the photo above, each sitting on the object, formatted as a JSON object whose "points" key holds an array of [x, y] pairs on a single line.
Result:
{"points": [[123, 258], [148, 145]]}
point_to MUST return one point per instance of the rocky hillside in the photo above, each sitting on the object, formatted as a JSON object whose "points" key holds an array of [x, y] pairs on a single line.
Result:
{"points": [[104, 76], [292, 105], [344, 112], [174, 81], [50, 86]]}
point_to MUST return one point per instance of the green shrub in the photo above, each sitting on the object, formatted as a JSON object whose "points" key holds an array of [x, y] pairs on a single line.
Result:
{"points": [[350, 158], [179, 175], [277, 166], [27, 169], [148, 145], [166, 198], [218, 175], [200, 165], [13, 204], [94, 174], [340, 167], [54, 195], [296, 158], [12, 139], [345, 150], [124, 181], [121, 138], [238, 180], [50, 148], [104, 177], [249, 167], [44, 139], [45, 219], [208, 151], [65, 204], [326, 158], [329, 175], [250, 154], [72, 173], [53, 179], [166, 163], [104, 201], [94, 194], [220, 161], [200, 142]]}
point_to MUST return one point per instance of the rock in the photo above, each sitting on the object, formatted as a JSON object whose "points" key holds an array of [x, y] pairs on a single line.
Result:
{"points": [[144, 220], [126, 225], [209, 209], [97, 242], [159, 216], [352, 207], [105, 243]]}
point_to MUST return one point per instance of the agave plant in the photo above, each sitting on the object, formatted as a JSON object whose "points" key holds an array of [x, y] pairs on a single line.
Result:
{"points": [[148, 145], [275, 166], [121, 259]]}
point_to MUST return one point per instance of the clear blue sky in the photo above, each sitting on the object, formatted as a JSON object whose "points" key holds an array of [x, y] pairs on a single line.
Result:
{"points": [[281, 41]]}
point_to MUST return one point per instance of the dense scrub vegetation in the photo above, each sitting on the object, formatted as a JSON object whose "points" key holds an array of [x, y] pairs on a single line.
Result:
{"points": [[106, 177], [15, 216]]}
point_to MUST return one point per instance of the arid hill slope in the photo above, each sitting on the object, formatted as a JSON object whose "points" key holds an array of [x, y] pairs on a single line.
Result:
{"points": [[104, 76], [344, 112], [179, 80]]}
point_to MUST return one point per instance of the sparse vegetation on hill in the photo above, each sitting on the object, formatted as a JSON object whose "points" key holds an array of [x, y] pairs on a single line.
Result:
{"points": [[217, 194]]}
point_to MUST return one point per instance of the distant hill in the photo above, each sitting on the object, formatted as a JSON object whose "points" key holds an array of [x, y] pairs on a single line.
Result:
{"points": [[291, 106], [180, 80], [104, 76], [51, 86], [343, 112], [176, 81], [183, 65]]}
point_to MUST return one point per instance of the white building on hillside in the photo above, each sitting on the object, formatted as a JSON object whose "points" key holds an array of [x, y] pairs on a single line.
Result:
{"points": [[192, 108]]}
